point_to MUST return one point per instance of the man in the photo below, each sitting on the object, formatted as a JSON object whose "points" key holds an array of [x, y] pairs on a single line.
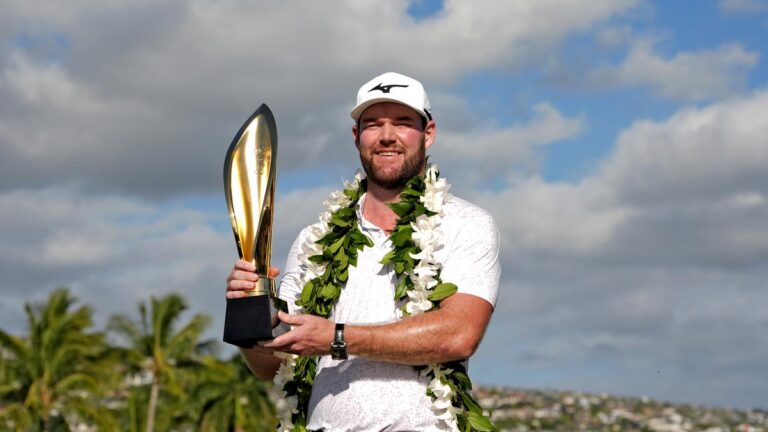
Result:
{"points": [[377, 388]]}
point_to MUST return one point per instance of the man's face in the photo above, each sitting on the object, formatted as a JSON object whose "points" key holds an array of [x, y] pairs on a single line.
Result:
{"points": [[392, 142]]}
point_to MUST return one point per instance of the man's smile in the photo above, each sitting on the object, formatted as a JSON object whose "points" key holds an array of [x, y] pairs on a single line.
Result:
{"points": [[388, 153]]}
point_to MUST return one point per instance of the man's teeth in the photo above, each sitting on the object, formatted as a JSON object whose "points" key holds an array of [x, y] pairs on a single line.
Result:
{"points": [[387, 153]]}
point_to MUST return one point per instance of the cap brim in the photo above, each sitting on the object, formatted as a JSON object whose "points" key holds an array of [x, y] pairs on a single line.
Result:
{"points": [[358, 110]]}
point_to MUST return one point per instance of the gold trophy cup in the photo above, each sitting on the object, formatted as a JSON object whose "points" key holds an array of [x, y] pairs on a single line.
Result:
{"points": [[249, 186]]}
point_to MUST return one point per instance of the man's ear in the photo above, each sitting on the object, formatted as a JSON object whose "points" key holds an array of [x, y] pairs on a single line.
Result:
{"points": [[430, 133], [356, 136]]}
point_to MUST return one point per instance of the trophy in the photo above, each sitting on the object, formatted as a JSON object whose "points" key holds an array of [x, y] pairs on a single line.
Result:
{"points": [[249, 186]]}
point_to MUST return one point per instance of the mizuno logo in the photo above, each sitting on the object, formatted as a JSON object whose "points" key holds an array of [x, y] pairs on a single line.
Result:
{"points": [[386, 88]]}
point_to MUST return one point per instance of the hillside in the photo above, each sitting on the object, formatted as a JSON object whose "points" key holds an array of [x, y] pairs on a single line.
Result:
{"points": [[536, 410]]}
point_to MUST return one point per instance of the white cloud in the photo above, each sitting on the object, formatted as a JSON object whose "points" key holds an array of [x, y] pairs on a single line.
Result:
{"points": [[654, 262], [690, 190], [695, 154], [690, 76], [614, 36], [149, 111], [507, 144], [483, 151], [114, 252], [742, 6], [556, 218]]}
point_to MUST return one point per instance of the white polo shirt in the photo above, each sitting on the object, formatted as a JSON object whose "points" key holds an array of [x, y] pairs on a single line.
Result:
{"points": [[365, 395]]}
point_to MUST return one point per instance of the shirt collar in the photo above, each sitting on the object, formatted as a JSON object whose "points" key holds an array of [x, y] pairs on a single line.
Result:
{"points": [[365, 224]]}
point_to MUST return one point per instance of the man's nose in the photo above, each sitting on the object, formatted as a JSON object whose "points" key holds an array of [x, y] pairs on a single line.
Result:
{"points": [[387, 134]]}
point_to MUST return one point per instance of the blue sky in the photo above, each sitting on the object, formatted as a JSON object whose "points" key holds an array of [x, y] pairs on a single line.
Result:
{"points": [[618, 144]]}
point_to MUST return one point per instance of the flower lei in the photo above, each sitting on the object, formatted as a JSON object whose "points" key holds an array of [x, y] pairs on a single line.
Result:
{"points": [[332, 245]]}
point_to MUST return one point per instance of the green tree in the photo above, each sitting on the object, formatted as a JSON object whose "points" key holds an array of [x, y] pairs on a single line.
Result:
{"points": [[230, 398], [56, 376], [163, 357]]}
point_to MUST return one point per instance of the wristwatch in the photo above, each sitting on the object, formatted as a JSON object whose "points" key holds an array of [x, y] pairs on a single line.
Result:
{"points": [[339, 346]]}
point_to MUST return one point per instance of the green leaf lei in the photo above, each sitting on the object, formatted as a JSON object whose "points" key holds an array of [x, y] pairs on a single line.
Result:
{"points": [[449, 383]]}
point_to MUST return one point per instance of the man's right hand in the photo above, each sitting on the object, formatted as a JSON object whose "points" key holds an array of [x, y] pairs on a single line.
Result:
{"points": [[243, 278]]}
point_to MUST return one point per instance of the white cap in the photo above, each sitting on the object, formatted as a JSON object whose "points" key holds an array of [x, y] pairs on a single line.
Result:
{"points": [[393, 87]]}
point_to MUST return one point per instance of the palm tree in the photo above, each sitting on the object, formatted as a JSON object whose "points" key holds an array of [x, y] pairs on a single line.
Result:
{"points": [[231, 398], [55, 377], [161, 354]]}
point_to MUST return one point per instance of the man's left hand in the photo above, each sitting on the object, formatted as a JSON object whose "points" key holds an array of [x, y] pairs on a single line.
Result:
{"points": [[310, 336]]}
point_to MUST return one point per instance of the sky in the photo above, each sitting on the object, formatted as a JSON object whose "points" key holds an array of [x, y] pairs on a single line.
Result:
{"points": [[619, 145]]}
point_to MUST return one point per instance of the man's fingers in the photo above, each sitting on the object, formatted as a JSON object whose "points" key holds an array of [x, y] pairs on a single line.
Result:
{"points": [[242, 275], [290, 319], [240, 285], [279, 343], [273, 272], [242, 264], [236, 294], [245, 275]]}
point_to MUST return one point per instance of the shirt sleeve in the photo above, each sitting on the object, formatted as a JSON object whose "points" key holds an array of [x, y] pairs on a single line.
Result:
{"points": [[290, 285], [472, 256]]}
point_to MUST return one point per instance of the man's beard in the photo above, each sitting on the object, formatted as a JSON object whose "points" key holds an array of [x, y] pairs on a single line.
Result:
{"points": [[395, 179]]}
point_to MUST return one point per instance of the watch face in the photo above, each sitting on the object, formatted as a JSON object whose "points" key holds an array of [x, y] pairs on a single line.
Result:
{"points": [[339, 351]]}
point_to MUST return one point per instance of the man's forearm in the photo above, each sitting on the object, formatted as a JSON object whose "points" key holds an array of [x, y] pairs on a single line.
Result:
{"points": [[261, 362], [450, 333]]}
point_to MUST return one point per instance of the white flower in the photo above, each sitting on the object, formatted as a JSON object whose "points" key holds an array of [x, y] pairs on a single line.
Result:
{"points": [[313, 270], [424, 255], [439, 388], [355, 183], [435, 370], [285, 372], [418, 302], [442, 400], [285, 406], [425, 231], [424, 270], [317, 231], [449, 417], [423, 276], [310, 247], [337, 201], [440, 404], [436, 190], [431, 173], [284, 409]]}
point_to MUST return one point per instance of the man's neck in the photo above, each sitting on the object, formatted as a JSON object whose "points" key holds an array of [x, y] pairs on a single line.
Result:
{"points": [[375, 207]]}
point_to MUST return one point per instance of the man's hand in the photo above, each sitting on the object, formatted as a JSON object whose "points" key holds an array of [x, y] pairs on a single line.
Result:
{"points": [[243, 278], [310, 336]]}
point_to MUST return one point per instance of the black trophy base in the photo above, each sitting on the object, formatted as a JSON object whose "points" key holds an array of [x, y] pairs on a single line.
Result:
{"points": [[249, 320]]}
